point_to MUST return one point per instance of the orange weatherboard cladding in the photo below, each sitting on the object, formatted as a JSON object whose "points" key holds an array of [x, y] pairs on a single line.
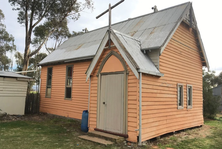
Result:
{"points": [[180, 62], [57, 104], [112, 65]]}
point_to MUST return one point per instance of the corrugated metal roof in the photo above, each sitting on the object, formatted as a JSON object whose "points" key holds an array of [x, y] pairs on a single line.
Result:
{"points": [[130, 49], [12, 75], [143, 62], [151, 29]]}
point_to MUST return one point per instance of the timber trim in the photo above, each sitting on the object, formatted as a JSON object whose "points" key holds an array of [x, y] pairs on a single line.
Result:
{"points": [[182, 100], [47, 83], [98, 99], [190, 106], [125, 90], [67, 66]]}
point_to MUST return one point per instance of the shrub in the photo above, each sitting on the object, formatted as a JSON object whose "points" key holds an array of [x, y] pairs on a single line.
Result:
{"points": [[210, 103]]}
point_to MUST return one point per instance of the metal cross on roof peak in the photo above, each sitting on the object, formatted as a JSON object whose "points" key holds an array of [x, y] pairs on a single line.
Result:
{"points": [[109, 10]]}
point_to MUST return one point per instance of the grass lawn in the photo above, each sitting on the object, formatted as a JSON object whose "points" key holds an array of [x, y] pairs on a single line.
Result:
{"points": [[207, 137], [45, 132], [51, 132]]}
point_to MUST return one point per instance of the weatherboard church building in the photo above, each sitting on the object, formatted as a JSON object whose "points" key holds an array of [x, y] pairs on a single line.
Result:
{"points": [[140, 79]]}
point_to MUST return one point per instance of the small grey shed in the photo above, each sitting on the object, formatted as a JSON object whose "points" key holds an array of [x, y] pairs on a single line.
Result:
{"points": [[13, 89]]}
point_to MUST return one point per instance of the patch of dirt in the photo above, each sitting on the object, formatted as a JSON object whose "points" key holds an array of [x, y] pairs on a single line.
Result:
{"points": [[192, 133], [197, 132]]}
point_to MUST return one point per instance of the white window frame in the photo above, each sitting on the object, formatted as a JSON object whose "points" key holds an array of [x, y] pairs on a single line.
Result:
{"points": [[190, 106], [47, 95], [66, 85], [182, 101]]}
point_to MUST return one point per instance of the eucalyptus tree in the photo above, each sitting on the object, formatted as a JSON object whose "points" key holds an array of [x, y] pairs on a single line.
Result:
{"points": [[32, 13], [6, 44], [57, 37]]}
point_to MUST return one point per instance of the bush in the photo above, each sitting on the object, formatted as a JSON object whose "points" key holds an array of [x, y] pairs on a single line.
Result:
{"points": [[210, 106], [210, 103]]}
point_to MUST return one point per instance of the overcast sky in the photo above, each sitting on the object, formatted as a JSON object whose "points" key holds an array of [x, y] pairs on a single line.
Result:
{"points": [[208, 16]]}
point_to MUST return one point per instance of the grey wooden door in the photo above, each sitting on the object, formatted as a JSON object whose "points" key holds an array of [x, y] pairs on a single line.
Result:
{"points": [[112, 103]]}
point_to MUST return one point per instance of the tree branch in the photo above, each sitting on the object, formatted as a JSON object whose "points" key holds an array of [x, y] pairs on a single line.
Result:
{"points": [[42, 15], [55, 45], [50, 33], [47, 48], [26, 23], [44, 41], [31, 18]]}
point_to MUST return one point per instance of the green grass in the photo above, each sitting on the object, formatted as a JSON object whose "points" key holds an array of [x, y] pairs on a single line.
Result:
{"points": [[211, 141], [51, 132], [33, 92]]}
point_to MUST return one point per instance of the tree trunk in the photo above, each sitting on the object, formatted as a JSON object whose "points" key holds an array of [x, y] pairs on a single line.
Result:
{"points": [[26, 59]]}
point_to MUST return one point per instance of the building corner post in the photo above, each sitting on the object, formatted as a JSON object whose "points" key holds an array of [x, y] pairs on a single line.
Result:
{"points": [[140, 109], [89, 93]]}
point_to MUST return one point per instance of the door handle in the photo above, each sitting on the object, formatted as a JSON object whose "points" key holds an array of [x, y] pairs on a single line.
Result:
{"points": [[104, 103]]}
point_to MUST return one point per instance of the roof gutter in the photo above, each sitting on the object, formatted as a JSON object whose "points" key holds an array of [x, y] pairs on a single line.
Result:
{"points": [[67, 61], [151, 73], [25, 71], [152, 48], [25, 79]]}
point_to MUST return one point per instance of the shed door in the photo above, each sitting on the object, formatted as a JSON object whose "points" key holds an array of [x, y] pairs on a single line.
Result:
{"points": [[112, 103]]}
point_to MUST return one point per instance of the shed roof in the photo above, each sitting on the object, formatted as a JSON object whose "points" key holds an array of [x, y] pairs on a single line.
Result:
{"points": [[12, 75], [153, 30]]}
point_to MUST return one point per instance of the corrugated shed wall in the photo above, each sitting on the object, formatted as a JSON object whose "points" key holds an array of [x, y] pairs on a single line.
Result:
{"points": [[132, 100], [180, 63], [217, 91], [12, 95], [57, 104]]}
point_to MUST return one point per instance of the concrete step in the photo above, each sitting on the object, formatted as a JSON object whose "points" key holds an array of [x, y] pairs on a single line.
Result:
{"points": [[106, 135], [95, 139], [115, 138]]}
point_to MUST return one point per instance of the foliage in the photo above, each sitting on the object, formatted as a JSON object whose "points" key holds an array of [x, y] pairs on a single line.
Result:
{"points": [[6, 45], [19, 61], [32, 66], [4, 62], [218, 79], [32, 13], [210, 102], [59, 35], [33, 61], [74, 33]]}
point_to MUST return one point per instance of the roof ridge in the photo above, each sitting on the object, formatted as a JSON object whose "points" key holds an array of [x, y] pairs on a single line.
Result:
{"points": [[128, 36]]}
